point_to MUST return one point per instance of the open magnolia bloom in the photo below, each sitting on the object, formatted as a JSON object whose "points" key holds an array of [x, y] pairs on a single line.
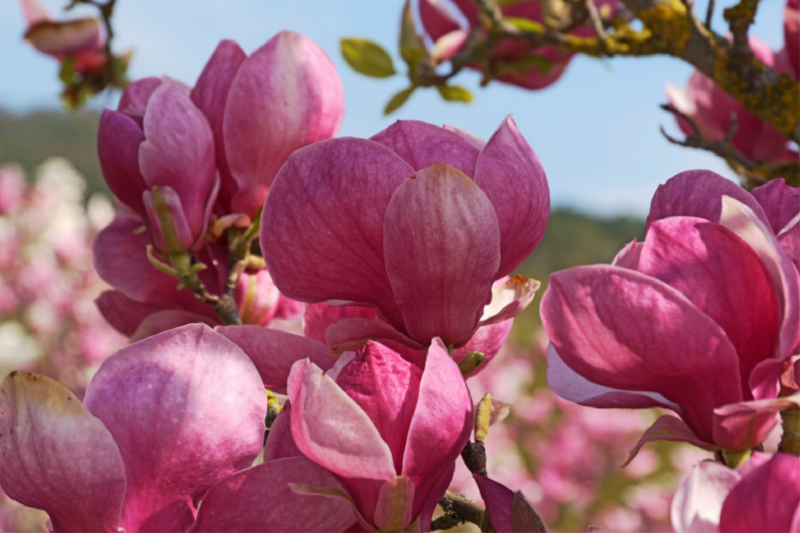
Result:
{"points": [[163, 421], [701, 318], [417, 222], [389, 431], [763, 494]]}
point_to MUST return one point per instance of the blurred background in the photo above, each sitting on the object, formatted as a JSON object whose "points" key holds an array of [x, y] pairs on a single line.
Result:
{"points": [[595, 131]]}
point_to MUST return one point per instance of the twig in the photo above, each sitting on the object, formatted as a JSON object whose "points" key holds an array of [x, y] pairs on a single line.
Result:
{"points": [[597, 23], [474, 456], [739, 18], [106, 12], [709, 14], [457, 510], [698, 26]]}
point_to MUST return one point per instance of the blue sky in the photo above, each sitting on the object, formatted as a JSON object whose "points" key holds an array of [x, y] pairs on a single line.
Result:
{"points": [[595, 130]]}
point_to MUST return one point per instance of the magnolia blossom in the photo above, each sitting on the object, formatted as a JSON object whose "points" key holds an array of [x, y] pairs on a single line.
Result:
{"points": [[390, 431], [514, 61], [282, 97], [701, 318], [79, 39], [167, 422], [789, 57], [417, 222], [712, 108], [761, 495]]}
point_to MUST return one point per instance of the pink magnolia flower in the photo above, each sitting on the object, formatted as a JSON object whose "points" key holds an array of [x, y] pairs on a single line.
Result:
{"points": [[701, 318], [80, 39], [761, 495], [390, 432], [449, 37], [157, 156], [433, 217], [262, 108], [789, 58], [711, 108], [165, 423], [781, 204]]}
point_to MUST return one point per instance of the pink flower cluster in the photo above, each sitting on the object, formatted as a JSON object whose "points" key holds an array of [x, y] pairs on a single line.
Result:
{"points": [[712, 108]]}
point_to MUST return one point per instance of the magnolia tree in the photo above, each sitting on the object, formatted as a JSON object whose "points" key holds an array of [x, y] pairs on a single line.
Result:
{"points": [[336, 306]]}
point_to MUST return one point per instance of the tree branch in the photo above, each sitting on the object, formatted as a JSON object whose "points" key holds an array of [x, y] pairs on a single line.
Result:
{"points": [[458, 510]]}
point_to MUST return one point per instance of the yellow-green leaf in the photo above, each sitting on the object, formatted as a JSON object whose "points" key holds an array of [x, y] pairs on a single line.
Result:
{"points": [[454, 93], [525, 24], [398, 100], [367, 57]]}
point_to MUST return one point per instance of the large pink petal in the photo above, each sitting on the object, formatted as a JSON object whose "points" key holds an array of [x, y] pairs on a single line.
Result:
{"points": [[179, 150], [350, 333], [280, 443], [322, 224], [123, 313], [499, 501], [698, 193], [186, 408], [320, 316], [672, 428], [57, 457], [286, 95], [332, 430], [442, 220], [67, 38], [118, 140], [274, 352], [510, 174], [133, 101], [697, 503], [791, 34], [719, 273], [789, 239], [386, 387], [571, 386], [441, 426], [167, 319], [621, 329], [439, 489], [743, 221], [780, 202], [34, 12], [259, 499], [210, 95], [767, 499], [421, 144], [745, 425]]}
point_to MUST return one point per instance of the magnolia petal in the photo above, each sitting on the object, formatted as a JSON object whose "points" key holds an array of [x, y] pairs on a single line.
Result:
{"points": [[476, 141], [321, 228], [789, 239], [745, 222], [350, 333], [448, 225], [421, 145], [766, 499], [697, 503], [179, 150], [745, 425], [280, 443], [510, 174], [331, 429], [509, 299], [123, 313], [386, 387], [487, 339], [436, 19], [210, 95], [133, 101], [257, 298], [186, 408], [781, 203], [672, 428], [274, 352], [441, 426], [334, 494], [449, 45], [167, 319], [723, 277], [393, 511], [259, 499], [621, 329], [57, 457], [571, 386], [34, 12], [318, 317], [286, 95], [439, 489], [65, 38], [177, 236], [499, 500], [118, 140], [628, 257], [698, 193]]}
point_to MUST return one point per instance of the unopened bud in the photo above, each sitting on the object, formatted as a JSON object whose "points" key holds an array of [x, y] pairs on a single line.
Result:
{"points": [[471, 361], [483, 417]]}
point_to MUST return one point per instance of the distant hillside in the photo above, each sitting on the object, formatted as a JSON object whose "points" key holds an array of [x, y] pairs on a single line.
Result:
{"points": [[30, 139], [572, 238]]}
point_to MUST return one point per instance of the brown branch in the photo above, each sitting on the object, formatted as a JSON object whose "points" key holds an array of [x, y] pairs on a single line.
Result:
{"points": [[457, 510], [709, 14], [739, 18]]}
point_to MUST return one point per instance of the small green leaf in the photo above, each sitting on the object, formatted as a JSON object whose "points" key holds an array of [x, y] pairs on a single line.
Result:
{"points": [[398, 100], [367, 57], [454, 93], [526, 24]]}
